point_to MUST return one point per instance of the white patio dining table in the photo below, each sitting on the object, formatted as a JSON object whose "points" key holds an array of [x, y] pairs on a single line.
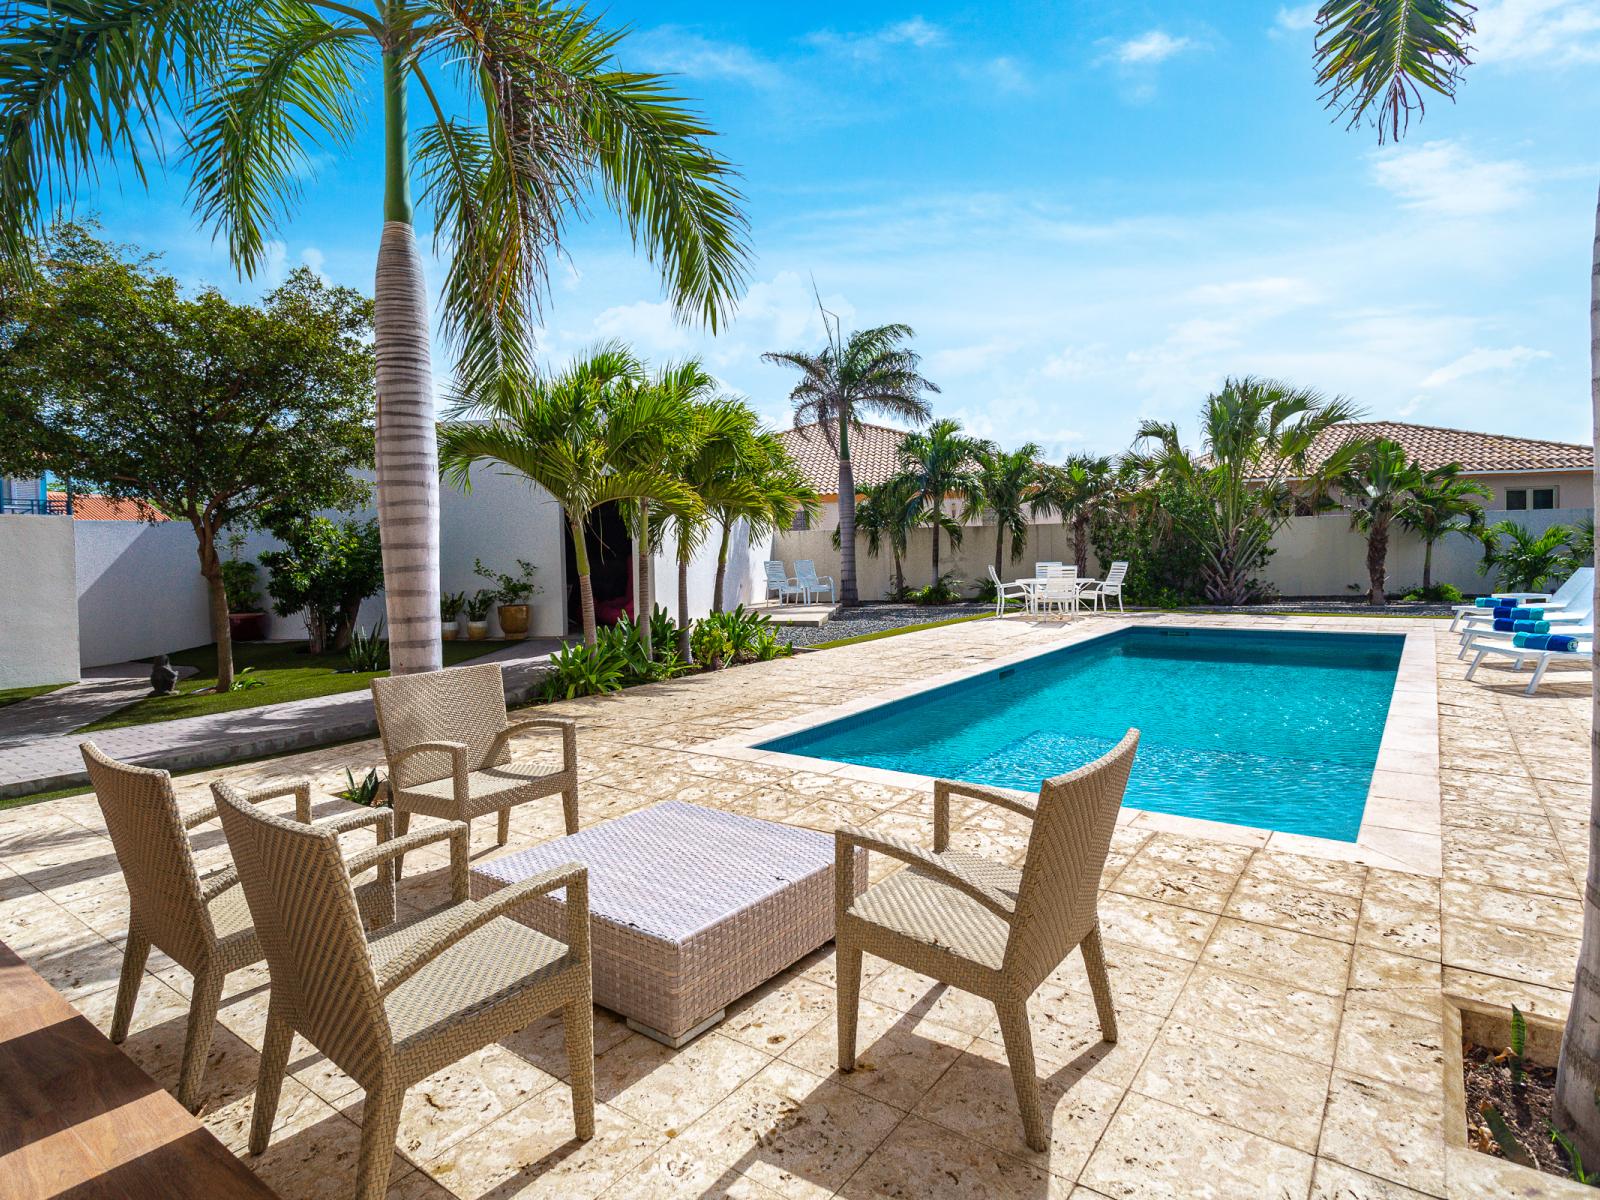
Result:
{"points": [[1035, 585]]}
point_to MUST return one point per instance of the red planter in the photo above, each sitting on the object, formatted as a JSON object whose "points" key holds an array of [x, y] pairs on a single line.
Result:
{"points": [[247, 627]]}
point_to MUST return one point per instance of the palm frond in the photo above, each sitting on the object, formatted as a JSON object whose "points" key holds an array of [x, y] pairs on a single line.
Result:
{"points": [[1378, 58]]}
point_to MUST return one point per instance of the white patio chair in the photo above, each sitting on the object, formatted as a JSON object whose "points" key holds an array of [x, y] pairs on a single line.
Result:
{"points": [[1015, 590], [805, 574], [1060, 589], [1042, 569], [1099, 589], [1541, 659], [780, 581], [1579, 584]]}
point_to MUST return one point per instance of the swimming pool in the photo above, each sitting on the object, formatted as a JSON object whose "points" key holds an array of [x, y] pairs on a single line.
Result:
{"points": [[1276, 730]]}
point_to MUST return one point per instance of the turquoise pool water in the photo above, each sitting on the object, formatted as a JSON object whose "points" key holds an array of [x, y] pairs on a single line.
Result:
{"points": [[1268, 729]]}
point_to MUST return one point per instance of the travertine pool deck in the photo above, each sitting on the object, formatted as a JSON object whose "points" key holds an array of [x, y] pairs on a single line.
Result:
{"points": [[1282, 1003]]}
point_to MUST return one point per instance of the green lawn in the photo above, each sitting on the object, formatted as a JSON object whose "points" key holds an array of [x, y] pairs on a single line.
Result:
{"points": [[287, 672], [12, 695]]}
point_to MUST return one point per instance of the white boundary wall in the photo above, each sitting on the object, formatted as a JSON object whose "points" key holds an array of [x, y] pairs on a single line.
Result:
{"points": [[38, 633]]}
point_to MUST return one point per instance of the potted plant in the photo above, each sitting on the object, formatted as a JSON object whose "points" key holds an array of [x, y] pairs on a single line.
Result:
{"points": [[512, 592], [246, 620], [450, 606], [478, 606]]}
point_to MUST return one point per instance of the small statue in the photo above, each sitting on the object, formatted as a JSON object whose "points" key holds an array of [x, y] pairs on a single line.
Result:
{"points": [[163, 677]]}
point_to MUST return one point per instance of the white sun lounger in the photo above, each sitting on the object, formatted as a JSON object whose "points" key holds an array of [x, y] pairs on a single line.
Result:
{"points": [[1576, 619], [1579, 583], [1541, 659]]}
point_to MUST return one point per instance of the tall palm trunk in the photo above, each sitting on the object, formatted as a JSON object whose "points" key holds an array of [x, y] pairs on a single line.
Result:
{"points": [[1377, 559], [646, 601], [216, 601], [722, 567], [899, 575], [999, 549], [580, 554], [1427, 564], [1080, 544], [407, 434], [1578, 1071], [683, 602], [936, 548], [847, 518]]}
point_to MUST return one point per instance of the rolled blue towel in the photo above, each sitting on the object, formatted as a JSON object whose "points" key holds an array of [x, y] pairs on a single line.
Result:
{"points": [[1530, 626], [1529, 614], [1507, 625], [1507, 614], [1488, 602], [1559, 642]]}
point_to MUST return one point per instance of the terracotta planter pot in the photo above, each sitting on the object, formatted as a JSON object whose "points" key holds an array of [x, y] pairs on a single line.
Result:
{"points": [[477, 630], [247, 626], [514, 620]]}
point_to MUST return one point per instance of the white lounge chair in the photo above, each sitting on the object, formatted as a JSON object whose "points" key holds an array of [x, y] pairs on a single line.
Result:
{"points": [[784, 584], [1580, 583], [805, 574], [1059, 590], [1541, 659], [1577, 617], [1111, 585], [1015, 590]]}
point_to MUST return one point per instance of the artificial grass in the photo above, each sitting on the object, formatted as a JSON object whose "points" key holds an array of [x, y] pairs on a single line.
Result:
{"points": [[286, 671], [884, 633], [16, 694]]}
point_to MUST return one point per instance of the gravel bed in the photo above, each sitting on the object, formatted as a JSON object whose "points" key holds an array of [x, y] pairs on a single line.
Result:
{"points": [[875, 618], [1341, 605]]}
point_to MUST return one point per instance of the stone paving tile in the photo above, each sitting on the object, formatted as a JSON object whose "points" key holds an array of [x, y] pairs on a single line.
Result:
{"points": [[1281, 1007]]}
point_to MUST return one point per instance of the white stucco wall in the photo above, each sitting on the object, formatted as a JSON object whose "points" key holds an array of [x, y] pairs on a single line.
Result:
{"points": [[139, 590], [38, 585], [741, 584]]}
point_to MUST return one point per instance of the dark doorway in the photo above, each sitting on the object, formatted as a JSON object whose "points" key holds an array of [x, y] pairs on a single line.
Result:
{"points": [[610, 569]]}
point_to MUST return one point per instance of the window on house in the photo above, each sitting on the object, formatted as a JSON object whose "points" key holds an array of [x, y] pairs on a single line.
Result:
{"points": [[1544, 497], [1516, 498], [801, 522]]}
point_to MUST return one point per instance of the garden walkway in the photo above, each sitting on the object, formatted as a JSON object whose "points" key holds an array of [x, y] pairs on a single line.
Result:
{"points": [[50, 759]]}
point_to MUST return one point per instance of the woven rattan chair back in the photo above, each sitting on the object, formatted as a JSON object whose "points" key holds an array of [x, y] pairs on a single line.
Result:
{"points": [[463, 704], [141, 812], [1072, 828], [305, 914]]}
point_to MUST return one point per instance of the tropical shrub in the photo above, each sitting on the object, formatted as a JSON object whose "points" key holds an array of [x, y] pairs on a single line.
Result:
{"points": [[509, 589], [1527, 561], [1438, 593], [371, 792], [946, 590], [241, 584], [1164, 564], [710, 644], [324, 570], [478, 605], [450, 606], [663, 629], [368, 649], [584, 670]]}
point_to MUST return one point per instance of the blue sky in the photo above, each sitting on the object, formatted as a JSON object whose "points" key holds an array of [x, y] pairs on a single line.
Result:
{"points": [[1090, 212]]}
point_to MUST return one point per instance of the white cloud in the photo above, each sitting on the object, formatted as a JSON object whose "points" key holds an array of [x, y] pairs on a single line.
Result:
{"points": [[1003, 74], [314, 258], [1150, 48], [1481, 361], [1538, 32], [1444, 178], [672, 50], [1272, 291], [915, 32], [1302, 18]]}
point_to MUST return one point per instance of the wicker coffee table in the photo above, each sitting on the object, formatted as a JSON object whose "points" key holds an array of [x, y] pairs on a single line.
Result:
{"points": [[690, 908]]}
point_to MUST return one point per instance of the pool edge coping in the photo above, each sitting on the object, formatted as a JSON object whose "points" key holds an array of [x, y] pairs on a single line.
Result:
{"points": [[1401, 822]]}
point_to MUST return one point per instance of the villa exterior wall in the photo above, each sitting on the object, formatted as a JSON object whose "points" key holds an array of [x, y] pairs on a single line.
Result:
{"points": [[139, 591], [38, 637]]}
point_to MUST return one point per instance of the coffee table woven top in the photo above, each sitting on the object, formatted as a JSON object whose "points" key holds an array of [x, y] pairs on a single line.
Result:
{"points": [[674, 869]]}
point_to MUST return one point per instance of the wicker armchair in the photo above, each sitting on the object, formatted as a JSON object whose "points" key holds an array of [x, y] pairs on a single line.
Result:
{"points": [[393, 1008], [982, 926], [447, 739], [202, 924]]}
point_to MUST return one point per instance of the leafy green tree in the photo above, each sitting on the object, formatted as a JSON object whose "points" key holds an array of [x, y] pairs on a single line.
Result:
{"points": [[1256, 434], [1080, 491], [1440, 506], [942, 462], [550, 122], [325, 569], [1007, 482], [872, 371], [573, 433], [204, 410], [887, 515], [1525, 560]]}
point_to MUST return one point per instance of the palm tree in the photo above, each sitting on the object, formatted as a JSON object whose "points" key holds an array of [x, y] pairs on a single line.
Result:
{"points": [[773, 492], [942, 463], [872, 371], [1376, 59], [888, 514], [1085, 486], [1443, 504], [573, 435], [1007, 482], [1374, 487], [1256, 435], [1526, 560], [260, 88]]}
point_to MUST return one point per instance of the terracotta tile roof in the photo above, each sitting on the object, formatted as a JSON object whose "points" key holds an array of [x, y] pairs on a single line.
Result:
{"points": [[87, 506], [1434, 446], [874, 455]]}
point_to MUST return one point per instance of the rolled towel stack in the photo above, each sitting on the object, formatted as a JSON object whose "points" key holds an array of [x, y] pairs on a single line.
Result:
{"points": [[1530, 626], [1496, 602], [1519, 614], [1561, 643], [1507, 625]]}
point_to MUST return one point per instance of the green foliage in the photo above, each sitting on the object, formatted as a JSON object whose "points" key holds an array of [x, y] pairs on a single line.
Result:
{"points": [[325, 570], [1147, 532], [1439, 593], [1519, 1044], [450, 606], [509, 589], [710, 644], [579, 669], [946, 590], [1525, 561], [245, 681], [241, 584], [371, 792], [663, 629], [887, 513], [737, 636], [940, 463], [1575, 1169], [1376, 59], [1083, 490], [368, 650], [478, 604], [1503, 1137]]}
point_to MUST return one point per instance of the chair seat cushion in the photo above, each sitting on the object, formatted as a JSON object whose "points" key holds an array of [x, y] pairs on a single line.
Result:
{"points": [[919, 906], [488, 789], [489, 967]]}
